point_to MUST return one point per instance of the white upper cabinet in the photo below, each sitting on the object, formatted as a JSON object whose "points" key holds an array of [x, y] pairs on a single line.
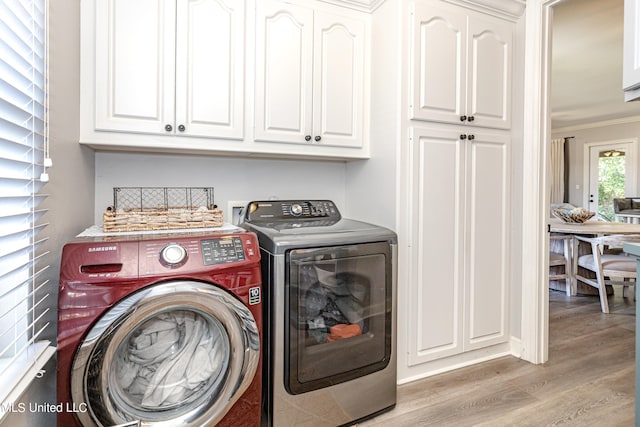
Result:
{"points": [[338, 91], [461, 65], [135, 65], [310, 84], [170, 67], [241, 77], [284, 67], [210, 68], [631, 60]]}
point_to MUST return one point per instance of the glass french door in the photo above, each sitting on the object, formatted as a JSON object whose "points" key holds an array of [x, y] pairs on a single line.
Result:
{"points": [[611, 175]]}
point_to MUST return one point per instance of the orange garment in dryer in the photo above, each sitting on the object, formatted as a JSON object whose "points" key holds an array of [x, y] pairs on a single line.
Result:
{"points": [[342, 331]]}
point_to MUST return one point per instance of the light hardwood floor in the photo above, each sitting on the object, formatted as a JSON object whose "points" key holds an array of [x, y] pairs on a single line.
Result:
{"points": [[588, 380]]}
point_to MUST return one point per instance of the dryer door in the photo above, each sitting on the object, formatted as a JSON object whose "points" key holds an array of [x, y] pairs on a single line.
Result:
{"points": [[176, 354]]}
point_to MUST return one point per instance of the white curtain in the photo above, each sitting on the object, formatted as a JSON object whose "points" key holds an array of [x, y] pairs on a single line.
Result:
{"points": [[557, 170]]}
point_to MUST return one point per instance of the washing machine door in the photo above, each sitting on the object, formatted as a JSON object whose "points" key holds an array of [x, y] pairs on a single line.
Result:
{"points": [[175, 354]]}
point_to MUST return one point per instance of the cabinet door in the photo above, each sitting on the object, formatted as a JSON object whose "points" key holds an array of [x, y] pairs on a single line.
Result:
{"points": [[210, 68], [490, 58], [438, 64], [338, 75], [284, 44], [436, 288], [631, 60], [135, 65], [487, 230]]}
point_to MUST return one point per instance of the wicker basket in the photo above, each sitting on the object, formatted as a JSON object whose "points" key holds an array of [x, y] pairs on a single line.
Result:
{"points": [[161, 208]]}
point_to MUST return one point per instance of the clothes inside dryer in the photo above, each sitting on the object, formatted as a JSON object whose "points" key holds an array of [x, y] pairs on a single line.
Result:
{"points": [[334, 304]]}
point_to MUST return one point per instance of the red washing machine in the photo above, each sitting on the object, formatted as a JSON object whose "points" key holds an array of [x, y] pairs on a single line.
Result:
{"points": [[160, 330]]}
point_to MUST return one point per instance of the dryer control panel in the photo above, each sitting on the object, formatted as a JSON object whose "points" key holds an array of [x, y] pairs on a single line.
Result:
{"points": [[290, 210]]}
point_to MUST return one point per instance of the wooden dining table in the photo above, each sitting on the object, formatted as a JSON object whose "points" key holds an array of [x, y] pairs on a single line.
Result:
{"points": [[593, 227], [589, 228]]}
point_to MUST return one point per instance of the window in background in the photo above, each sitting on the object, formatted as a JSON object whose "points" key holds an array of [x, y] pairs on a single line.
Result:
{"points": [[611, 178]]}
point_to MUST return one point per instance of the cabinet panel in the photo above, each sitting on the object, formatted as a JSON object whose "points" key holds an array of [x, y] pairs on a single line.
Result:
{"points": [[487, 213], [458, 227], [631, 70], [438, 64], [437, 276], [338, 80], [310, 76], [210, 68], [135, 70], [283, 72], [170, 67], [631, 57], [490, 59], [461, 66]]}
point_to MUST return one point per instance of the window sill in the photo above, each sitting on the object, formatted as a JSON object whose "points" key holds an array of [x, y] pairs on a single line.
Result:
{"points": [[14, 381]]}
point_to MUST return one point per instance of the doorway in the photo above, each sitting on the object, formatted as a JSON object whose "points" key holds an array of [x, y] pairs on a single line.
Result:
{"points": [[536, 140], [609, 174]]}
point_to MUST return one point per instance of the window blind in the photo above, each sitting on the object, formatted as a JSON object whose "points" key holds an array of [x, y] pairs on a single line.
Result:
{"points": [[24, 287]]}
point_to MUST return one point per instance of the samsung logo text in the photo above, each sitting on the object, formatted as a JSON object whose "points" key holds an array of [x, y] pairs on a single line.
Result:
{"points": [[103, 249]]}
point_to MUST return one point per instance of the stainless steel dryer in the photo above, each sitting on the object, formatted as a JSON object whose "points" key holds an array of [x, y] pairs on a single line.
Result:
{"points": [[329, 287]]}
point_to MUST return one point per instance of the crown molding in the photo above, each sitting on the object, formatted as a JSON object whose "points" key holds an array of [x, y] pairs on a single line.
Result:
{"points": [[600, 124], [510, 9], [360, 5]]}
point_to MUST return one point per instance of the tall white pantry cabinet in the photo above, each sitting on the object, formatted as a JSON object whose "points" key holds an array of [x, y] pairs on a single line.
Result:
{"points": [[459, 169]]}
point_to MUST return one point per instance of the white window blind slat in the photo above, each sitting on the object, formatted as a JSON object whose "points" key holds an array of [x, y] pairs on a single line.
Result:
{"points": [[22, 250], [17, 187], [18, 277], [13, 309], [21, 336], [22, 319], [34, 279], [18, 228], [15, 205]]}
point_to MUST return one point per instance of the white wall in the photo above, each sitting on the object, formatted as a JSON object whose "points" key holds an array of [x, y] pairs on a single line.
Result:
{"points": [[372, 184], [71, 184], [597, 132], [233, 178]]}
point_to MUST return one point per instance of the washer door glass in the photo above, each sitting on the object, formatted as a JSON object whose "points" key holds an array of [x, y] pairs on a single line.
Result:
{"points": [[175, 358], [179, 353]]}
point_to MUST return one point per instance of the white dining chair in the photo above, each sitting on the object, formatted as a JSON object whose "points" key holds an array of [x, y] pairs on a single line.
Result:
{"points": [[610, 267]]}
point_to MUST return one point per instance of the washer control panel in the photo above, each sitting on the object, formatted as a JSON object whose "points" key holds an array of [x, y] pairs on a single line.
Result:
{"points": [[288, 210], [222, 250], [194, 253]]}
